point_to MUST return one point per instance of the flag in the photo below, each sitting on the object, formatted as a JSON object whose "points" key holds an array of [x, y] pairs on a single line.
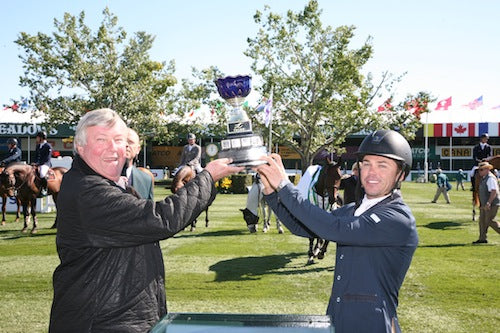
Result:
{"points": [[475, 103], [386, 106], [493, 129], [415, 108], [268, 110], [443, 104]]}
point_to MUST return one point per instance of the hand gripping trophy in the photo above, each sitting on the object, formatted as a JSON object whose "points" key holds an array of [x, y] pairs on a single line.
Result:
{"points": [[241, 144]]}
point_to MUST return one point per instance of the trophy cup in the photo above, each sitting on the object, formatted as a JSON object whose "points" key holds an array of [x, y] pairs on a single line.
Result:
{"points": [[241, 144]]}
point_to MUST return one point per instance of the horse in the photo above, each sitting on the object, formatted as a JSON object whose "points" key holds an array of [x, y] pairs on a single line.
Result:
{"points": [[21, 180], [182, 176], [495, 161], [5, 197], [320, 185], [256, 204]]}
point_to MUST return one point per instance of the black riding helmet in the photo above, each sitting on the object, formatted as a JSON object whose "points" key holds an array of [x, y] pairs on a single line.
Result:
{"points": [[42, 135], [389, 144], [12, 141]]}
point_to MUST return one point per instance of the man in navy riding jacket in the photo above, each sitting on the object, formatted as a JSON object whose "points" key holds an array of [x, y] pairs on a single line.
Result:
{"points": [[376, 238], [14, 154], [43, 153]]}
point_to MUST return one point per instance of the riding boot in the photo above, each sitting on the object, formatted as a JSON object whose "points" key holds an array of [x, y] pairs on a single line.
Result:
{"points": [[43, 188]]}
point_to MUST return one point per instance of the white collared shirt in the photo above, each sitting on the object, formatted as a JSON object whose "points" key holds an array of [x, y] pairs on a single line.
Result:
{"points": [[367, 204]]}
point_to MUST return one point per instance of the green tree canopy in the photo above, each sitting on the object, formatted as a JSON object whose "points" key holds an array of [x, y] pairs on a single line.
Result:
{"points": [[75, 70], [319, 92]]}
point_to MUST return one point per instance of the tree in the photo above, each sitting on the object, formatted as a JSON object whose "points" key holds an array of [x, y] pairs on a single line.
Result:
{"points": [[196, 107], [319, 93], [75, 70]]}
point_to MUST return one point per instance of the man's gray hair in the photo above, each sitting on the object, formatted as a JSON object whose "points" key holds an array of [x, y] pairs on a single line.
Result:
{"points": [[100, 117]]}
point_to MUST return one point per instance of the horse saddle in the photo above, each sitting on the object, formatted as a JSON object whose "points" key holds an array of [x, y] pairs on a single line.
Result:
{"points": [[51, 175]]}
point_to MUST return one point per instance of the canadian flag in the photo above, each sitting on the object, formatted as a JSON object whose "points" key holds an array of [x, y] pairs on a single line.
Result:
{"points": [[443, 104], [463, 129]]}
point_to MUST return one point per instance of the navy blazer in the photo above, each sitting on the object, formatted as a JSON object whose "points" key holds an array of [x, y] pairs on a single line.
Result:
{"points": [[374, 252]]}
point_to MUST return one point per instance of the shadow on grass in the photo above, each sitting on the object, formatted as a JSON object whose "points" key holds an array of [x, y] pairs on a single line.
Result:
{"points": [[16, 234], [253, 268], [197, 233], [443, 225], [444, 245]]}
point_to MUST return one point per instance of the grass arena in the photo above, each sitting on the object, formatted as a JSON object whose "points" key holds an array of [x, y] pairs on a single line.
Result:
{"points": [[451, 285]]}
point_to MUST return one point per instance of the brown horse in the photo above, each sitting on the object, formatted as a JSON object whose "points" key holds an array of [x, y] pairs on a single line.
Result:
{"points": [[182, 176], [5, 197], [324, 192], [495, 161], [21, 180]]}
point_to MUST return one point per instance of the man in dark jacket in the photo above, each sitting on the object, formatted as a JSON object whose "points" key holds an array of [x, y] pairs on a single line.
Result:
{"points": [[376, 238], [111, 276], [14, 154]]}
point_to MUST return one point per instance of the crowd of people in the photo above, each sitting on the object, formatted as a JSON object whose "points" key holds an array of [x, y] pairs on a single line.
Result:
{"points": [[111, 273]]}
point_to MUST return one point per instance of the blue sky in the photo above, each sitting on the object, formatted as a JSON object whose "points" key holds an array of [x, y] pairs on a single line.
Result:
{"points": [[448, 48]]}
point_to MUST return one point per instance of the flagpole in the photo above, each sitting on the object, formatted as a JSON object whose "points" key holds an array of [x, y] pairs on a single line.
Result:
{"points": [[270, 143], [451, 152], [426, 148]]}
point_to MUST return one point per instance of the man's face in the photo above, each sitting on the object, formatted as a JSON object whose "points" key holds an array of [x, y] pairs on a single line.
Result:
{"points": [[483, 171], [133, 146], [191, 141], [378, 175], [38, 140], [484, 139], [105, 149]]}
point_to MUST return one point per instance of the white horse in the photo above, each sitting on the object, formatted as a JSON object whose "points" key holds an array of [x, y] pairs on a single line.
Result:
{"points": [[255, 205]]}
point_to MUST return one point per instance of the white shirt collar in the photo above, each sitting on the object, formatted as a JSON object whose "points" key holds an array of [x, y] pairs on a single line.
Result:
{"points": [[367, 204]]}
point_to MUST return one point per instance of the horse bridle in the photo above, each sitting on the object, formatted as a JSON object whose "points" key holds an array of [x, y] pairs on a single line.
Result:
{"points": [[12, 184]]}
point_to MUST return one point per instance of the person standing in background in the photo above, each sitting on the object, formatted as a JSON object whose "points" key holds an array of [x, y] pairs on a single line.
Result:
{"points": [[461, 176], [140, 181], [489, 201], [441, 182]]}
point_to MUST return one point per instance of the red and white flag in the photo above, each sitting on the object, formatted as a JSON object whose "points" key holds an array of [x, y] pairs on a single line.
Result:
{"points": [[386, 106], [443, 104]]}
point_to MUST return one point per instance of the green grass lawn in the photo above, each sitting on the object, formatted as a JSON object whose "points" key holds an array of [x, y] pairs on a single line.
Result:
{"points": [[451, 285]]}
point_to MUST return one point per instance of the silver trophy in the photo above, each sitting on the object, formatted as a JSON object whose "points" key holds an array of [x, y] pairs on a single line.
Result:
{"points": [[241, 144]]}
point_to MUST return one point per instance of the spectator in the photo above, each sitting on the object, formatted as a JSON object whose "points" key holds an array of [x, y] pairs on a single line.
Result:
{"points": [[442, 186], [461, 176], [489, 201], [140, 181]]}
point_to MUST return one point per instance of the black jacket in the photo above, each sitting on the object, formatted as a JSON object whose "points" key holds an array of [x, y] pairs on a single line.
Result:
{"points": [[111, 276]]}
